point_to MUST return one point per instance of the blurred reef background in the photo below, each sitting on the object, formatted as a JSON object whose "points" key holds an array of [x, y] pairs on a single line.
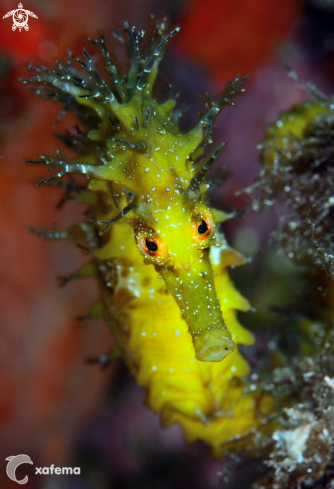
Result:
{"points": [[59, 410]]}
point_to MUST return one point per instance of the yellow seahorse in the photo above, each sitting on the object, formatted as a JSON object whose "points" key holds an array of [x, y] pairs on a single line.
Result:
{"points": [[161, 261]]}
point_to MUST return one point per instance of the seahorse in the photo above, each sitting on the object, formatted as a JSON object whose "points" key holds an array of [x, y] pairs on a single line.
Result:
{"points": [[157, 252]]}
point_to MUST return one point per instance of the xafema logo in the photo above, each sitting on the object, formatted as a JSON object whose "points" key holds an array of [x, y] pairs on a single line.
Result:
{"points": [[15, 460]]}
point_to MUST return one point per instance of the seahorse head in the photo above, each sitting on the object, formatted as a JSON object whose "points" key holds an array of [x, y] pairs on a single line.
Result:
{"points": [[155, 176], [177, 242], [174, 231]]}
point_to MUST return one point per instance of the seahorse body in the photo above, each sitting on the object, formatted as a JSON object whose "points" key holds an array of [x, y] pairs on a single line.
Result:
{"points": [[161, 262]]}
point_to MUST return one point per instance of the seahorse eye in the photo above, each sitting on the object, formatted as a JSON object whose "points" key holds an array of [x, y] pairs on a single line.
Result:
{"points": [[151, 244], [153, 248], [203, 227]]}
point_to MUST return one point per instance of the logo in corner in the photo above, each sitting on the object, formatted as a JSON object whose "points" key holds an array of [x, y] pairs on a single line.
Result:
{"points": [[13, 462], [20, 17]]}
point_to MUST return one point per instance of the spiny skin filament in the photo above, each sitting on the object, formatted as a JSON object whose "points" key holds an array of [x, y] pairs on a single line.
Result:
{"points": [[160, 259]]}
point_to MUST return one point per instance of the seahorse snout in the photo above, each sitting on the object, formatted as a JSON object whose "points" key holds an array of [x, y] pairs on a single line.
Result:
{"points": [[213, 345], [194, 291]]}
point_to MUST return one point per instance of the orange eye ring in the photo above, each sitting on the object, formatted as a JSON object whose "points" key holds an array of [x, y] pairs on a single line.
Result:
{"points": [[151, 245], [202, 228]]}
